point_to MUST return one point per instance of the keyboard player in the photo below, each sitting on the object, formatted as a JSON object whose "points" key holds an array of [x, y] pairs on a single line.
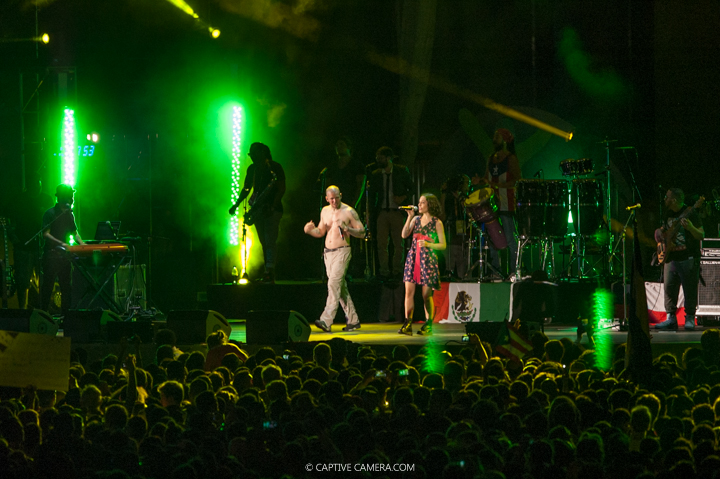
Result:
{"points": [[58, 224]]}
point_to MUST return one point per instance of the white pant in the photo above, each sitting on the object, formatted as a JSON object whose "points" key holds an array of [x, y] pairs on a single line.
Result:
{"points": [[336, 265]]}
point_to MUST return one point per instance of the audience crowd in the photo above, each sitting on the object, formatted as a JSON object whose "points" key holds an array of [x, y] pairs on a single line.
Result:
{"points": [[349, 411]]}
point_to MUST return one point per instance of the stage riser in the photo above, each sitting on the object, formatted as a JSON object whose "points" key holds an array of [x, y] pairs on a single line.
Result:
{"points": [[373, 302]]}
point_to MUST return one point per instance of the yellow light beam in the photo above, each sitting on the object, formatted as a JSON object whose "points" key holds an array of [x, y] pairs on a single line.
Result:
{"points": [[402, 67], [184, 7], [45, 38]]}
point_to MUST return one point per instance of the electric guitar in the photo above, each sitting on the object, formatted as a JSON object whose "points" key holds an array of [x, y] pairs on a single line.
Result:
{"points": [[257, 203], [9, 281], [666, 237]]}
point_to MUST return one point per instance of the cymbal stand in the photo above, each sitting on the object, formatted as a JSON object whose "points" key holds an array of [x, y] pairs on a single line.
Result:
{"points": [[608, 210], [482, 261], [548, 244], [468, 244], [579, 239], [522, 242]]}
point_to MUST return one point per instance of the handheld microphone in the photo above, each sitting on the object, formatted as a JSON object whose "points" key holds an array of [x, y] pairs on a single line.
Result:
{"points": [[408, 208], [634, 207]]}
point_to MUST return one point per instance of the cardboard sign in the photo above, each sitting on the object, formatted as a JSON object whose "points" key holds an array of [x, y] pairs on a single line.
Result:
{"points": [[34, 359]]}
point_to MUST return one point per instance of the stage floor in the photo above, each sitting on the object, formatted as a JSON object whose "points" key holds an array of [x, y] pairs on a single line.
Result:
{"points": [[386, 334]]}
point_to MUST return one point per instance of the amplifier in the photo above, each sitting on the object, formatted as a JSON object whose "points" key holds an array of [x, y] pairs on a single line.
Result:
{"points": [[710, 247], [709, 294]]}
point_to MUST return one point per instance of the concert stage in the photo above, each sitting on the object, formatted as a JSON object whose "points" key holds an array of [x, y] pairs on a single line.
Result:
{"points": [[380, 308], [376, 302]]}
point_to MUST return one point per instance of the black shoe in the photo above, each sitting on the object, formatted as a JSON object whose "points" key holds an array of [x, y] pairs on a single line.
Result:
{"points": [[689, 325], [426, 329], [406, 327], [322, 326], [668, 324], [351, 327], [266, 279]]}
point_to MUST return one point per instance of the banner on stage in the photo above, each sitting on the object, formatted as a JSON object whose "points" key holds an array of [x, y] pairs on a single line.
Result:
{"points": [[34, 359], [655, 293], [461, 303]]}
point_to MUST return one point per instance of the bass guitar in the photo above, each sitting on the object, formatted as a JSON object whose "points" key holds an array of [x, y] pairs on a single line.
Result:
{"points": [[666, 237]]}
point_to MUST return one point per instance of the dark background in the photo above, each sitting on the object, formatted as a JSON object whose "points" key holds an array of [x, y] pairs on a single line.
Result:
{"points": [[151, 81]]}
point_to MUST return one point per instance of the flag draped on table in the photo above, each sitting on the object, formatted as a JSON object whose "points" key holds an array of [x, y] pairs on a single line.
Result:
{"points": [[511, 343]]}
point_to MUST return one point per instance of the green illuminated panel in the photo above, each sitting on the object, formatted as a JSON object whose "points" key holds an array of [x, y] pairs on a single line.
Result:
{"points": [[237, 117], [68, 141]]}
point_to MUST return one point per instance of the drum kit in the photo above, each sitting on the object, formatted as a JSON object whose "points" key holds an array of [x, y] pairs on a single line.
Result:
{"points": [[482, 210], [546, 208], [543, 212]]}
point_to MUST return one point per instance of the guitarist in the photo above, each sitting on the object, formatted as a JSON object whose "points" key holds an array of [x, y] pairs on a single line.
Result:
{"points": [[682, 258], [258, 178]]}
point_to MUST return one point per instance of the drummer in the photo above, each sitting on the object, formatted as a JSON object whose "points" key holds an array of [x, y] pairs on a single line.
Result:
{"points": [[503, 170]]}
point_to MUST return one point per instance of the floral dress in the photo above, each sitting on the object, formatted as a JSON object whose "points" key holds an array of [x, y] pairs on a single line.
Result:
{"points": [[421, 267]]}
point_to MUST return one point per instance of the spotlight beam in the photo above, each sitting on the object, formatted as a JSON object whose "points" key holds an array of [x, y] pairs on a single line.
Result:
{"points": [[45, 38], [182, 5], [402, 67]]}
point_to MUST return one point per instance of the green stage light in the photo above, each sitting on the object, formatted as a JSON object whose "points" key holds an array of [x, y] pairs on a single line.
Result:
{"points": [[235, 225], [434, 358], [602, 309], [68, 141], [235, 188]]}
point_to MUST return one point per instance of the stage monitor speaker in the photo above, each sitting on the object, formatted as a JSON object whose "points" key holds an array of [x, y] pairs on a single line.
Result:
{"points": [[27, 321], [88, 326], [709, 294], [194, 326], [276, 327], [487, 330], [534, 301]]}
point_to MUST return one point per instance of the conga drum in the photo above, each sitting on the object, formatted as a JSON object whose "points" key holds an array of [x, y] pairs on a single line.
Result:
{"points": [[481, 207], [556, 209], [531, 197], [588, 206]]}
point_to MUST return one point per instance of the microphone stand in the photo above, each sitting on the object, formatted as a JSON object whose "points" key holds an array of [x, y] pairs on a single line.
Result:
{"points": [[46, 226], [635, 190], [631, 218], [632, 179], [244, 273], [369, 252]]}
